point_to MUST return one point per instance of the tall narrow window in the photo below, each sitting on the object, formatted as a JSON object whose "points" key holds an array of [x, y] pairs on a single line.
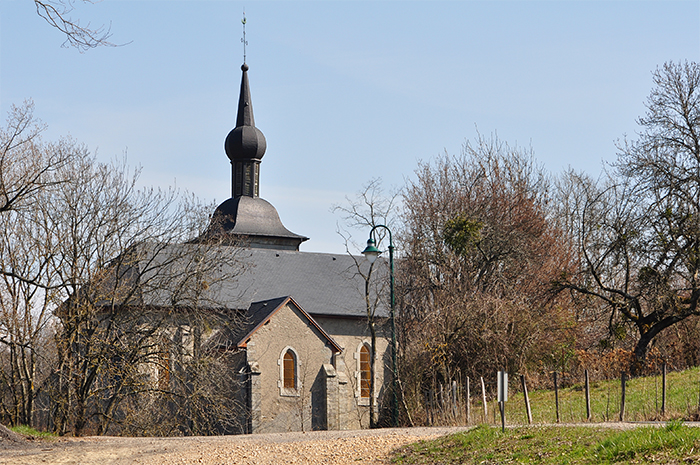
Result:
{"points": [[365, 371], [163, 368], [289, 370], [289, 363]]}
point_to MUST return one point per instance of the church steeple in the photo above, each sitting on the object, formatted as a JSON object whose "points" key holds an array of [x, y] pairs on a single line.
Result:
{"points": [[245, 146], [245, 218]]}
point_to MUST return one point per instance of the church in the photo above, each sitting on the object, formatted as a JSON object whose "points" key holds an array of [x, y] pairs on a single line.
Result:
{"points": [[303, 350]]}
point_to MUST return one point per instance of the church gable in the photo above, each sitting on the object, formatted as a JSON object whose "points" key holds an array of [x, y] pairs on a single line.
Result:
{"points": [[288, 354], [262, 313]]}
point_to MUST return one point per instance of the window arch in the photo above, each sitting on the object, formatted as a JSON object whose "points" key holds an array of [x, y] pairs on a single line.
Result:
{"points": [[289, 372], [365, 371]]}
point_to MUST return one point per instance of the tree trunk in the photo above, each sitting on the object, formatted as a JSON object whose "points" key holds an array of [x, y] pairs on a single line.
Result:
{"points": [[79, 419], [645, 337], [640, 354]]}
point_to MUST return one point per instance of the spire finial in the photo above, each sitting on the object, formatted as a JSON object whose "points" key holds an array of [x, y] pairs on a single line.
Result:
{"points": [[245, 42]]}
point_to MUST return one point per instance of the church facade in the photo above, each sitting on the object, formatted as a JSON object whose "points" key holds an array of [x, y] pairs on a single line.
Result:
{"points": [[303, 349]]}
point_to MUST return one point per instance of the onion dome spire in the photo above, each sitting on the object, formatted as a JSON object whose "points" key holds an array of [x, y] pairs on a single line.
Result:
{"points": [[245, 145], [245, 218]]}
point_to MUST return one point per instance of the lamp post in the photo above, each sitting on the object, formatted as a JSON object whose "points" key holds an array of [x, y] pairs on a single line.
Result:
{"points": [[372, 252]]}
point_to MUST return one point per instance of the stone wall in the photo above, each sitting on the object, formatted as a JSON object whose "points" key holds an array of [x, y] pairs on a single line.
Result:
{"points": [[327, 395], [274, 408], [350, 334]]}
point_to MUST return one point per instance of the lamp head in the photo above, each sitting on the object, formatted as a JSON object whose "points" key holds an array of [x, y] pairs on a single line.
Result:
{"points": [[371, 251]]}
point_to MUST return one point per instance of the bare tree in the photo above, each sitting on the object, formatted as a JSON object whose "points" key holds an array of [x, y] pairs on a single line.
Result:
{"points": [[480, 251], [639, 231], [131, 292], [25, 323], [107, 268], [26, 164], [83, 37], [370, 207], [28, 169]]}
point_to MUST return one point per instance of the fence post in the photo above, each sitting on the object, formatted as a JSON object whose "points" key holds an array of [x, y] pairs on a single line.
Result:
{"points": [[663, 389], [622, 400], [502, 406], [556, 395], [454, 400], [483, 399], [588, 397], [431, 411], [527, 400], [468, 402]]}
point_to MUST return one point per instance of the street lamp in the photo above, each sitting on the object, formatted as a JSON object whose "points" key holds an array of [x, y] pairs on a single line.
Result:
{"points": [[372, 252]]}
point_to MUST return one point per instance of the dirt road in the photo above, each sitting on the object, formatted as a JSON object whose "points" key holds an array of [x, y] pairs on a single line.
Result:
{"points": [[318, 447]]}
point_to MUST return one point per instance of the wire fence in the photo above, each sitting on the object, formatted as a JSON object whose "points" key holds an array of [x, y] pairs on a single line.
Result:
{"points": [[664, 396]]}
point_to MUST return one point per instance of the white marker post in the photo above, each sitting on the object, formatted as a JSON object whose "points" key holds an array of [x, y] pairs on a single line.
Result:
{"points": [[502, 396]]}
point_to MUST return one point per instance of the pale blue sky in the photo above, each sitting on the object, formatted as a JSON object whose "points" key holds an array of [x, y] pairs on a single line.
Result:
{"points": [[343, 90]]}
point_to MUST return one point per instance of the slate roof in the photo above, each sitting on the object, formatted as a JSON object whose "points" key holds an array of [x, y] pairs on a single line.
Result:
{"points": [[248, 218], [322, 284]]}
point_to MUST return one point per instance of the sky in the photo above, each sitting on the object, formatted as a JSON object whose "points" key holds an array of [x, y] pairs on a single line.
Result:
{"points": [[344, 91]]}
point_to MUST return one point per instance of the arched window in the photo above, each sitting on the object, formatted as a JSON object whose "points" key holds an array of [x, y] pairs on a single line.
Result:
{"points": [[163, 371], [289, 374], [163, 365], [365, 371]]}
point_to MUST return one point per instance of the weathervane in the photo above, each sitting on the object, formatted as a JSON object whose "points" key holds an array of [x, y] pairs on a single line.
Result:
{"points": [[245, 42]]}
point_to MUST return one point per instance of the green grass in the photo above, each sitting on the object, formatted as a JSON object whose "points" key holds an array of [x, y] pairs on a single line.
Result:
{"points": [[32, 433], [558, 445], [643, 401]]}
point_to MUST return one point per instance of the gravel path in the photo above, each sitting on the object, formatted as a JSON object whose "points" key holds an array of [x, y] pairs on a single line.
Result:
{"points": [[318, 447]]}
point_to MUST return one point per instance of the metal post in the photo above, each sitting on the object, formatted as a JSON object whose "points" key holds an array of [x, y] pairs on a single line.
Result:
{"points": [[588, 397], [527, 400], [483, 399], [394, 397], [502, 405], [502, 396], [622, 400], [556, 395], [663, 390], [373, 251]]}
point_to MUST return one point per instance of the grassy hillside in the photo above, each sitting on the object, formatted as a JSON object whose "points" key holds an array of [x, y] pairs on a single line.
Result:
{"points": [[643, 401], [558, 445]]}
